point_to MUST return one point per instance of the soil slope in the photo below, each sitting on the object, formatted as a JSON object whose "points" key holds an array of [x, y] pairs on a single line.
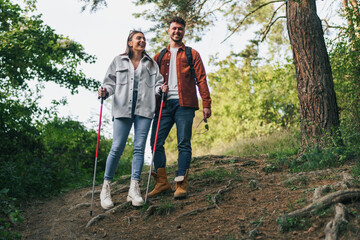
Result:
{"points": [[229, 198]]}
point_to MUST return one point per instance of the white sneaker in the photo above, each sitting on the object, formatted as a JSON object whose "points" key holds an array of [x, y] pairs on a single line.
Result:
{"points": [[134, 195], [105, 196]]}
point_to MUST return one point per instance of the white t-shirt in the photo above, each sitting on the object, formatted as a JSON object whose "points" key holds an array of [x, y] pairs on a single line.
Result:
{"points": [[137, 73], [172, 81]]}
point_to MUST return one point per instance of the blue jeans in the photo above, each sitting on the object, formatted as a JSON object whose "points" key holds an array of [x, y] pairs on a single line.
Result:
{"points": [[183, 118], [121, 132]]}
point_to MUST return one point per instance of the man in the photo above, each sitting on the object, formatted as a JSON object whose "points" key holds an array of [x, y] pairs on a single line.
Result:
{"points": [[180, 107]]}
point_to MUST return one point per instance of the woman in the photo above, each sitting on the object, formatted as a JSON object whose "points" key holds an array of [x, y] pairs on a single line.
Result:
{"points": [[134, 79]]}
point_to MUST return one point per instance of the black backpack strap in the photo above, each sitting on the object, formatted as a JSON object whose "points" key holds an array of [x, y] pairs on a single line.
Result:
{"points": [[162, 53], [191, 63]]}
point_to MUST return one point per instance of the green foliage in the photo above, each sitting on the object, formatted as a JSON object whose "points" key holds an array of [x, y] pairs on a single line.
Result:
{"points": [[295, 183], [33, 163], [165, 208], [290, 224], [216, 176], [63, 155], [9, 216], [32, 50], [356, 171], [41, 153], [345, 64], [249, 101]]}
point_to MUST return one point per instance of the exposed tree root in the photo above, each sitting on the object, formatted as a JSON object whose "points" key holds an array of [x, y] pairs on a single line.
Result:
{"points": [[324, 202], [333, 227], [296, 176], [193, 212], [89, 193], [253, 233], [95, 219], [221, 191], [347, 182], [319, 192], [80, 205], [108, 212], [154, 208], [215, 199], [117, 208], [150, 211]]}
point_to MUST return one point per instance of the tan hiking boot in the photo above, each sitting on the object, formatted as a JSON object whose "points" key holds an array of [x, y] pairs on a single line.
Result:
{"points": [[162, 184], [181, 186]]}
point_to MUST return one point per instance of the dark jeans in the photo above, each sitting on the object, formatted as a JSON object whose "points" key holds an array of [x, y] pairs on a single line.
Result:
{"points": [[183, 118]]}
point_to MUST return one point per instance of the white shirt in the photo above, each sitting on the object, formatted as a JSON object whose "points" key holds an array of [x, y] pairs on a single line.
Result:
{"points": [[172, 81]]}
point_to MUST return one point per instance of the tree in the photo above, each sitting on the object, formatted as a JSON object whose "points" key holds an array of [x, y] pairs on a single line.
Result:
{"points": [[318, 106]]}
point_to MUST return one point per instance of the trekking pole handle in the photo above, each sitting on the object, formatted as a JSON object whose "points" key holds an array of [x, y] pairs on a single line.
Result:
{"points": [[102, 98]]}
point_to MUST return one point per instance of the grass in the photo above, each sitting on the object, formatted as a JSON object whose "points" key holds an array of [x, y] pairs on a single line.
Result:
{"points": [[299, 182], [291, 224], [218, 175], [280, 144]]}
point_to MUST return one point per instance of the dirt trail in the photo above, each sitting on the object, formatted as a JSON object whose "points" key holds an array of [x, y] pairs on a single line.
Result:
{"points": [[229, 198]]}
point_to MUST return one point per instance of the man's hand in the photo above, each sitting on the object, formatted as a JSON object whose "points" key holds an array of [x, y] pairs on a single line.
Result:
{"points": [[102, 92], [207, 113]]}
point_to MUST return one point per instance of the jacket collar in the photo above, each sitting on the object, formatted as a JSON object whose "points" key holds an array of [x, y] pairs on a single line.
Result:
{"points": [[126, 57], [181, 47]]}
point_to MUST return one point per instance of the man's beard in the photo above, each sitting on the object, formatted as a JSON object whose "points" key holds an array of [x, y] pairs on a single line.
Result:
{"points": [[177, 41]]}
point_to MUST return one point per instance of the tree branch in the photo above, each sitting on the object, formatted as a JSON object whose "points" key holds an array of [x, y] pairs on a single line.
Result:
{"points": [[209, 12], [249, 14], [329, 26], [269, 26], [271, 22]]}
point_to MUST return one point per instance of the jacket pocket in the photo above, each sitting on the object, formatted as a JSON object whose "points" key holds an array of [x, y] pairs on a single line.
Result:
{"points": [[122, 75], [150, 79]]}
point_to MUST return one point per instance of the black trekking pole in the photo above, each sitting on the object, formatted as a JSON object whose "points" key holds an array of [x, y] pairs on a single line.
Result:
{"points": [[154, 148], [96, 156]]}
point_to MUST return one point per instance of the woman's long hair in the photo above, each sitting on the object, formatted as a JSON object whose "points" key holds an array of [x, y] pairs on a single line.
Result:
{"points": [[129, 51]]}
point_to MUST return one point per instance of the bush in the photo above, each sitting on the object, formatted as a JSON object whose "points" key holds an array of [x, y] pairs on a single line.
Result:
{"points": [[9, 216]]}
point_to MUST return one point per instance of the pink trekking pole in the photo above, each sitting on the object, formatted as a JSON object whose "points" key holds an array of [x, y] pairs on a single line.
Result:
{"points": [[154, 148]]}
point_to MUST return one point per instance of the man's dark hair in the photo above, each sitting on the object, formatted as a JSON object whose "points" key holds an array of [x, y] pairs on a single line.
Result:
{"points": [[177, 20]]}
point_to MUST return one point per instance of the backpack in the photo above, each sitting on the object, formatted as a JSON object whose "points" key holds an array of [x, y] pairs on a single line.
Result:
{"points": [[189, 59]]}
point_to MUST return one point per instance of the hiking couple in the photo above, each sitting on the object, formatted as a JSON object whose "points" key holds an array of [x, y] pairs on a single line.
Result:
{"points": [[135, 79]]}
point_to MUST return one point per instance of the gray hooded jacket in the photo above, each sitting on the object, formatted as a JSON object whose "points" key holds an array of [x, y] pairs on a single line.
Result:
{"points": [[119, 81]]}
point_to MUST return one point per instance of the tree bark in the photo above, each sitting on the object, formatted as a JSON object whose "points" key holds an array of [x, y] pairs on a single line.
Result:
{"points": [[318, 106]]}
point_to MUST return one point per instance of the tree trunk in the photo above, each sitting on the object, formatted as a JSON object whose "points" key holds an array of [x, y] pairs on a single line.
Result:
{"points": [[318, 107]]}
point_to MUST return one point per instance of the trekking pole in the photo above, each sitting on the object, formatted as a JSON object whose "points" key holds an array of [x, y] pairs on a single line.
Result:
{"points": [[154, 148], [96, 156]]}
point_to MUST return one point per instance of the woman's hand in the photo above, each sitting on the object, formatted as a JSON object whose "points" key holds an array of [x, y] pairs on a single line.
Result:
{"points": [[164, 88], [102, 92]]}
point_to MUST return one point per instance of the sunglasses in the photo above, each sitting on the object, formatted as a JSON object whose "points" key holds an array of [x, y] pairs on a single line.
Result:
{"points": [[206, 125]]}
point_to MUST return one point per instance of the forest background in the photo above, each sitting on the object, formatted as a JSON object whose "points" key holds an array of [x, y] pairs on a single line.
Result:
{"points": [[255, 100]]}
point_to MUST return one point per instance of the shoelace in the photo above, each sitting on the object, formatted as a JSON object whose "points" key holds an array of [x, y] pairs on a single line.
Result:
{"points": [[107, 192]]}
